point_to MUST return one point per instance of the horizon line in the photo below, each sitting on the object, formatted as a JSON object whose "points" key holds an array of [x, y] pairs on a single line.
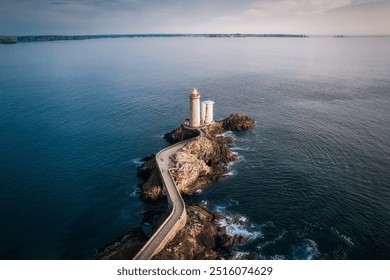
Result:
{"points": [[196, 33]]}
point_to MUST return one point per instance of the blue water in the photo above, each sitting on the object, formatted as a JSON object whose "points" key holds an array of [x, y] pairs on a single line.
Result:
{"points": [[313, 179]]}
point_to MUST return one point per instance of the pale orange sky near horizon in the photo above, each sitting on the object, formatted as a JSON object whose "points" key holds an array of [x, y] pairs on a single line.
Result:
{"points": [[310, 17]]}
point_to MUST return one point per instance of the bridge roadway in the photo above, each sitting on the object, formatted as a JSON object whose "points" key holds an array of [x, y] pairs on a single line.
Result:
{"points": [[178, 216]]}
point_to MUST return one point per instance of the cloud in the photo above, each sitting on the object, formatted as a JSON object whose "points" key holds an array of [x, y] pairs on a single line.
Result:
{"points": [[198, 16], [296, 7]]}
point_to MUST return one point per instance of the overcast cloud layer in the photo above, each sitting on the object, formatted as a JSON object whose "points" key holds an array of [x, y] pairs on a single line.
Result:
{"points": [[349, 17]]}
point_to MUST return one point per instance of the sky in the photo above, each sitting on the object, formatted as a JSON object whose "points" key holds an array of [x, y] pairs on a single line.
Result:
{"points": [[309, 17]]}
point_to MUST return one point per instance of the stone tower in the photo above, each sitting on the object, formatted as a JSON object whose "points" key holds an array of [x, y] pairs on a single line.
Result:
{"points": [[194, 108]]}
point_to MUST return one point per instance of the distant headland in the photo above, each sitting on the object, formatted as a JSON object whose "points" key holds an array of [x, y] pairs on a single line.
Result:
{"points": [[46, 38]]}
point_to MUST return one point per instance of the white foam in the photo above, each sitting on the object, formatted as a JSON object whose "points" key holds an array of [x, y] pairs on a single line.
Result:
{"points": [[243, 219], [230, 165], [137, 161], [231, 173], [245, 149], [134, 194], [240, 255], [310, 249], [278, 257], [347, 240], [228, 133], [238, 225], [136, 191], [220, 208]]}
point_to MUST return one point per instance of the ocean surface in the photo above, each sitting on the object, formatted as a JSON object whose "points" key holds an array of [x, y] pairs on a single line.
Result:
{"points": [[313, 178]]}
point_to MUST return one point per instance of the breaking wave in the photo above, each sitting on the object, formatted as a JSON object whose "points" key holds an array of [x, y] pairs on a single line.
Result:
{"points": [[246, 149], [238, 255], [307, 250], [238, 224], [228, 133]]}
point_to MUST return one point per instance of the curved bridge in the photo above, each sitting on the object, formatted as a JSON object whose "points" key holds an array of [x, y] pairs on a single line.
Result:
{"points": [[178, 216]]}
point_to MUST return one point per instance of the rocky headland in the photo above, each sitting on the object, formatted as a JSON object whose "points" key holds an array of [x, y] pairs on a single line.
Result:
{"points": [[198, 164]]}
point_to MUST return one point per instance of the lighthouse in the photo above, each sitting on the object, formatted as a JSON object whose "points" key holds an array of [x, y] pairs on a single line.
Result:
{"points": [[194, 108], [207, 112]]}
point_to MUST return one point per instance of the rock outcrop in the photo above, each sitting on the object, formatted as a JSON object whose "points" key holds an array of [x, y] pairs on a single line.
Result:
{"points": [[238, 122], [198, 164], [152, 188]]}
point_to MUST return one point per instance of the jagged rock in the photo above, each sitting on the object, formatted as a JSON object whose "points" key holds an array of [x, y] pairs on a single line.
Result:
{"points": [[226, 241], [179, 134], [199, 239], [238, 122], [147, 167], [152, 188], [200, 163]]}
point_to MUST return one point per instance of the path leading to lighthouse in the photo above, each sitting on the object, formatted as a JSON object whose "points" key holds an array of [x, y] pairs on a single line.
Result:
{"points": [[178, 216]]}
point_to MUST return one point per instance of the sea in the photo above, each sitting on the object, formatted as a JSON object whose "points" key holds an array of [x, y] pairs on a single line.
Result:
{"points": [[312, 180]]}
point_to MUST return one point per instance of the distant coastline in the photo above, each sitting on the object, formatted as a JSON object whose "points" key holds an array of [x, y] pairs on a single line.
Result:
{"points": [[46, 38]]}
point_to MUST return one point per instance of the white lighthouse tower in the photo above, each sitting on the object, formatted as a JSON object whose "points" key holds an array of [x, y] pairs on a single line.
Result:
{"points": [[194, 108], [207, 112]]}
